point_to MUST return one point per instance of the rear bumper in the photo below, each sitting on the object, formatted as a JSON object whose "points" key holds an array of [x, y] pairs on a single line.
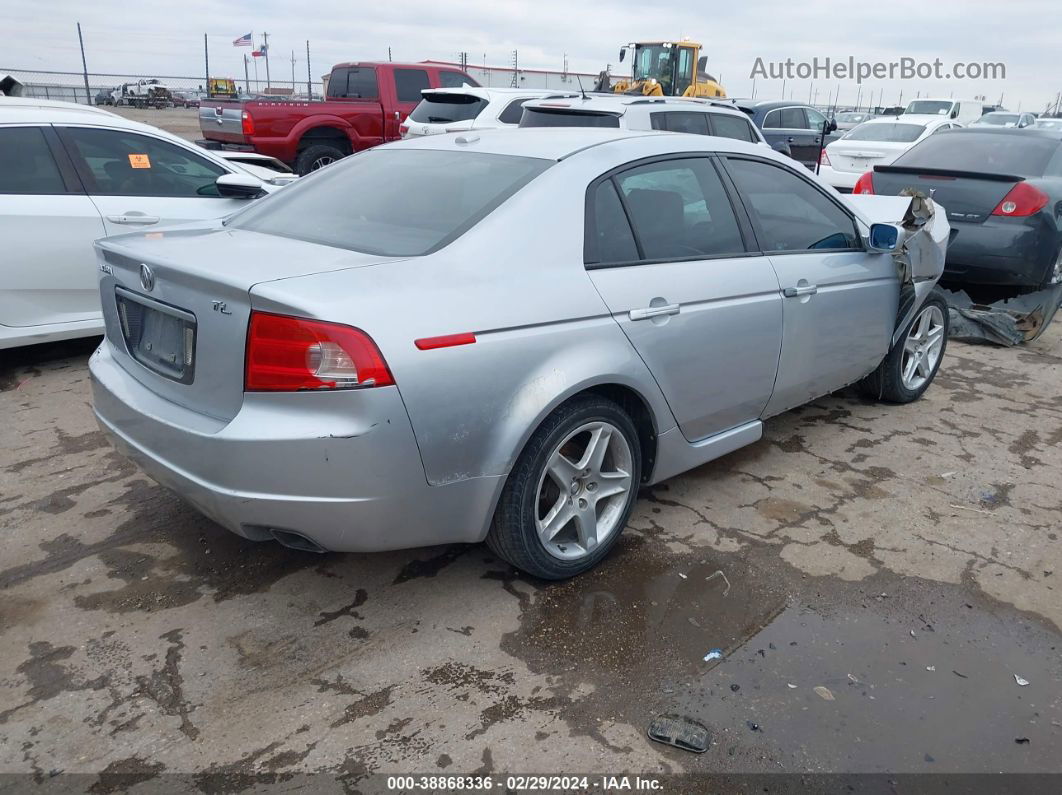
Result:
{"points": [[1003, 252], [842, 180], [341, 468]]}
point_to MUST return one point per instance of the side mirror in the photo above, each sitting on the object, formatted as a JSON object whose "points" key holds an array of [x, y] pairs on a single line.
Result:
{"points": [[239, 186], [831, 126], [623, 54], [883, 237]]}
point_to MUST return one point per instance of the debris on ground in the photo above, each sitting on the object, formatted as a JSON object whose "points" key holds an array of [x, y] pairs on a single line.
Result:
{"points": [[961, 676], [713, 654], [683, 576], [791, 686], [1008, 322], [713, 575], [824, 693], [931, 667], [683, 733], [1021, 682], [734, 688], [752, 725], [1021, 740]]}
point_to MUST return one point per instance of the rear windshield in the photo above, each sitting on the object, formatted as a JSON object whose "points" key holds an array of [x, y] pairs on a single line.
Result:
{"points": [[999, 119], [900, 133], [992, 153], [934, 107], [444, 108], [392, 202], [563, 117]]}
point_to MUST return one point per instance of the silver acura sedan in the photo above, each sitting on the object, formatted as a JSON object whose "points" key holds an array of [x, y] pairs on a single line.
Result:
{"points": [[501, 335]]}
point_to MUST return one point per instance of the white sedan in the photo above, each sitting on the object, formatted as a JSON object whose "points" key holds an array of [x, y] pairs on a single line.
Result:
{"points": [[70, 174], [877, 142]]}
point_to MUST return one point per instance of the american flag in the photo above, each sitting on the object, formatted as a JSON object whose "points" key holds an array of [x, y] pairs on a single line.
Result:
{"points": [[243, 41]]}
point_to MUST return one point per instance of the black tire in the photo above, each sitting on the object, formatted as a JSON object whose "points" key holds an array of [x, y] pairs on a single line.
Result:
{"points": [[886, 382], [513, 535], [313, 157]]}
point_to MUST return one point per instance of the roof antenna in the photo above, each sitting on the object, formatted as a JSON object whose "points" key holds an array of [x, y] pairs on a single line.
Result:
{"points": [[581, 89]]}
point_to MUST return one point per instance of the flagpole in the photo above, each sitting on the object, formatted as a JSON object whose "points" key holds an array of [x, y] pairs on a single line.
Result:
{"points": [[265, 51], [206, 59]]}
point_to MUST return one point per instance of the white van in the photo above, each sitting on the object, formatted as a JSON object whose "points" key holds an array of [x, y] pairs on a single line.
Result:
{"points": [[963, 111]]}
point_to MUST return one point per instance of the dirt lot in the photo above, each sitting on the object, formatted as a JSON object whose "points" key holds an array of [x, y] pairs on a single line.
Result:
{"points": [[905, 559], [179, 121]]}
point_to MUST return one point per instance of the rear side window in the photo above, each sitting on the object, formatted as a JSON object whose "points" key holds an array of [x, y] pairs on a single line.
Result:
{"points": [[732, 127], [562, 117], [513, 111], [26, 163], [120, 163], [441, 107], [992, 153], [609, 240], [683, 121], [392, 202], [455, 80], [791, 213], [354, 83], [409, 83], [680, 210]]}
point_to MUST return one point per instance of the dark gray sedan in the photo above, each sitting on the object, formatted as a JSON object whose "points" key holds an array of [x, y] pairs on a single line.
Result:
{"points": [[1002, 189]]}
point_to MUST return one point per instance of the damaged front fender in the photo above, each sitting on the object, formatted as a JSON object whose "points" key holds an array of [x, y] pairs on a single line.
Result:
{"points": [[920, 252]]}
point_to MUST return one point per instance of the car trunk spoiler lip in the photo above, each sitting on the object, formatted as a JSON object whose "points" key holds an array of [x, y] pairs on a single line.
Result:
{"points": [[949, 172]]}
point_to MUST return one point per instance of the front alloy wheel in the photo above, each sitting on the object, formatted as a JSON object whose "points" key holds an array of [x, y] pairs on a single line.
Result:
{"points": [[923, 347]]}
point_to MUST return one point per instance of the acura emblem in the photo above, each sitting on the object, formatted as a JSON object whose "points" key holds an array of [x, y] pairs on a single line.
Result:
{"points": [[147, 278]]}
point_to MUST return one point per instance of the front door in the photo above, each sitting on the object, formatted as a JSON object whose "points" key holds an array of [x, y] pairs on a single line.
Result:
{"points": [[47, 224], [701, 309], [139, 182], [839, 300]]}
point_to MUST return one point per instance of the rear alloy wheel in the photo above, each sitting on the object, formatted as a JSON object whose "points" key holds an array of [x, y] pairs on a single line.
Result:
{"points": [[912, 363], [569, 496], [316, 157]]}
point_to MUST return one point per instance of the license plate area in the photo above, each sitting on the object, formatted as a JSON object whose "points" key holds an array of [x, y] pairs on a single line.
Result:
{"points": [[159, 336]]}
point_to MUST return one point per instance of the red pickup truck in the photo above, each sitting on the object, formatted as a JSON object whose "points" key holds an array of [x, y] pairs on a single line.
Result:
{"points": [[364, 105]]}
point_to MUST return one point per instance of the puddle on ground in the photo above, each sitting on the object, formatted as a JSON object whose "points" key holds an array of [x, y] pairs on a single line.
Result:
{"points": [[941, 700]]}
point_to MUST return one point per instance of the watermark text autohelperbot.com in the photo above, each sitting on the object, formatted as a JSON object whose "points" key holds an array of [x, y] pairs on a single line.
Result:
{"points": [[901, 69]]}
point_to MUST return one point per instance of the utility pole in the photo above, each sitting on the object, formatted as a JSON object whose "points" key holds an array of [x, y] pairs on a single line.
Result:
{"points": [[516, 69], [265, 49], [84, 65], [246, 77], [206, 61], [783, 88], [754, 88], [293, 71], [388, 54], [309, 78]]}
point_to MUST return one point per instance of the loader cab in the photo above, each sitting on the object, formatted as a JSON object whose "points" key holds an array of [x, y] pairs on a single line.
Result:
{"points": [[669, 64]]}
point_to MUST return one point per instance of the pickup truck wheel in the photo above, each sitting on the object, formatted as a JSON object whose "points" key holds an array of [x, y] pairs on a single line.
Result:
{"points": [[317, 156], [911, 365], [568, 497]]}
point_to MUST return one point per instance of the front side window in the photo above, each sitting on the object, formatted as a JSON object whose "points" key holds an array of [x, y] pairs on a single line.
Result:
{"points": [[409, 83], [679, 209], [26, 163], [120, 163], [791, 214], [815, 119], [727, 126], [392, 202], [683, 121]]}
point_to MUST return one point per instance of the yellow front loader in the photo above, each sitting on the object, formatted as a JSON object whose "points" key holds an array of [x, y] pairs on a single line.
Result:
{"points": [[668, 69]]}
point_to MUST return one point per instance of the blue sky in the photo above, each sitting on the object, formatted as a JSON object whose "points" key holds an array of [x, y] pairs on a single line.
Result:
{"points": [[165, 37]]}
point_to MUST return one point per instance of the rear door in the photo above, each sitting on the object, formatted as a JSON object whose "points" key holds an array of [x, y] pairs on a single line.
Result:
{"points": [[839, 300], [138, 181], [408, 84], [669, 255], [47, 224], [790, 125]]}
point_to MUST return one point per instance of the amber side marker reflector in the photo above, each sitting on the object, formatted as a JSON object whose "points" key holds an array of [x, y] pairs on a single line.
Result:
{"points": [[445, 341]]}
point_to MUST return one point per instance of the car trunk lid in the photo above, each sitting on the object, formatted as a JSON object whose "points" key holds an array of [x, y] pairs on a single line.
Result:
{"points": [[969, 196], [861, 156], [176, 306]]}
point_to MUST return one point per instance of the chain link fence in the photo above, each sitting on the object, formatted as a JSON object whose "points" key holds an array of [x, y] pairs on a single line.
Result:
{"points": [[131, 89]]}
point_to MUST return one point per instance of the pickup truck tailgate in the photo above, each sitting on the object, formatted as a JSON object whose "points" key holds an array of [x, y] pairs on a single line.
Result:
{"points": [[222, 121]]}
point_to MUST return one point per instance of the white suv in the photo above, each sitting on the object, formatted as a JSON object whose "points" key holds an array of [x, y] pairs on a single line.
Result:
{"points": [[674, 114], [445, 110]]}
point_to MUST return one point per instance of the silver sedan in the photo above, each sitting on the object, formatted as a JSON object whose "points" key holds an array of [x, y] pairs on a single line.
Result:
{"points": [[501, 335]]}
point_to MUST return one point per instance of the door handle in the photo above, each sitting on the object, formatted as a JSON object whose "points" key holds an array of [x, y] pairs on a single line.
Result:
{"points": [[793, 292], [653, 311], [134, 219]]}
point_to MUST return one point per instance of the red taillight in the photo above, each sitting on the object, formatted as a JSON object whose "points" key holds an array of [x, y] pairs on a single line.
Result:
{"points": [[824, 159], [403, 129], [288, 354], [865, 184], [247, 121], [1023, 199]]}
